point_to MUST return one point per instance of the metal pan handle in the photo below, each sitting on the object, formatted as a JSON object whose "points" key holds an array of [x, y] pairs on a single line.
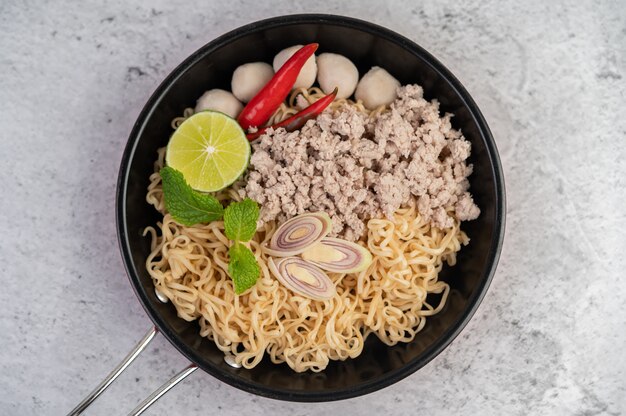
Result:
{"points": [[141, 345], [156, 395]]}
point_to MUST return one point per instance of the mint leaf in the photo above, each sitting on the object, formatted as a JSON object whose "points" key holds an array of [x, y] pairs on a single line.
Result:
{"points": [[243, 267], [240, 225], [188, 207], [240, 220]]}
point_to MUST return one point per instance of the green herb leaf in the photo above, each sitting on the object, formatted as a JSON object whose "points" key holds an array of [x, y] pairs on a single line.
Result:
{"points": [[243, 267], [240, 220], [188, 207]]}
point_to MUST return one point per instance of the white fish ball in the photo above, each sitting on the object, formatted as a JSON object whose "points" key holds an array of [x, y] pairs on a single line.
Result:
{"points": [[377, 88], [219, 100], [307, 75], [335, 70], [248, 79]]}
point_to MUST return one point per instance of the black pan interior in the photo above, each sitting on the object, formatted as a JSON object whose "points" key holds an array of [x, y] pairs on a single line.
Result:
{"points": [[366, 45]]}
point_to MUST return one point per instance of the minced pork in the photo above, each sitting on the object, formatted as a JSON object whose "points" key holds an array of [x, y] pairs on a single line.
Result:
{"points": [[355, 168]]}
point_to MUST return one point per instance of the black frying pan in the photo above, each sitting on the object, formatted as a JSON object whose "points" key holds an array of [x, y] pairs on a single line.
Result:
{"points": [[212, 66]]}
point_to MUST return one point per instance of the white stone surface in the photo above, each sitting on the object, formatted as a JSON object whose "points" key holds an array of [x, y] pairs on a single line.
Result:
{"points": [[549, 337]]}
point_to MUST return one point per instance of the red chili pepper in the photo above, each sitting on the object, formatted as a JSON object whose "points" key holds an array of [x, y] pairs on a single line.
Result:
{"points": [[299, 119], [262, 106]]}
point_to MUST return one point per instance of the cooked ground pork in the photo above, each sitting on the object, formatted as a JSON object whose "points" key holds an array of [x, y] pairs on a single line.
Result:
{"points": [[355, 168]]}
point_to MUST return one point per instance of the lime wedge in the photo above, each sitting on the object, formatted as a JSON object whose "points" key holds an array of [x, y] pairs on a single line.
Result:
{"points": [[210, 149]]}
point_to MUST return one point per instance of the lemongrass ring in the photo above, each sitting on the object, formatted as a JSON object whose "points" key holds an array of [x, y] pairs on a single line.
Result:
{"points": [[303, 278], [299, 233], [339, 256]]}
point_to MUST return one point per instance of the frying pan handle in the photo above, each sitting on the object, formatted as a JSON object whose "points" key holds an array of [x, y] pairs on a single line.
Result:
{"points": [[80, 408], [141, 345], [156, 395]]}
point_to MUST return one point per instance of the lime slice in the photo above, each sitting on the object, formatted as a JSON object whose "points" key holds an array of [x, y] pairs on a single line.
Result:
{"points": [[210, 149]]}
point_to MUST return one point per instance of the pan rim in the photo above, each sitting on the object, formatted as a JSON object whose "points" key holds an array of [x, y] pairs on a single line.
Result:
{"points": [[378, 382]]}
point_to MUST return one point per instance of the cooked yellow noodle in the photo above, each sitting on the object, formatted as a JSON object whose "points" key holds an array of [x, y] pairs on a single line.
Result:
{"points": [[311, 95], [177, 121], [189, 266]]}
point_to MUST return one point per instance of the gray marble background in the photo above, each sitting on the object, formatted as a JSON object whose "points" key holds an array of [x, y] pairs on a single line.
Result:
{"points": [[550, 78]]}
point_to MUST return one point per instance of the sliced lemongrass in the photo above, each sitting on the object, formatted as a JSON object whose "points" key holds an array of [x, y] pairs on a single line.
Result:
{"points": [[339, 256], [303, 278], [297, 234]]}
